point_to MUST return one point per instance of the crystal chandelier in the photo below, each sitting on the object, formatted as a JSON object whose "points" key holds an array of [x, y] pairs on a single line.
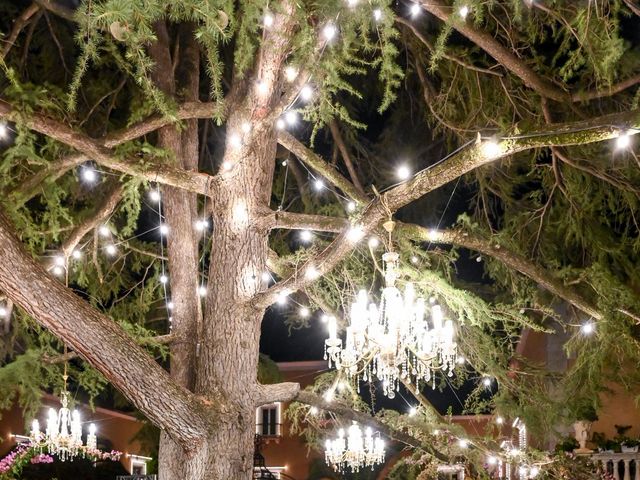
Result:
{"points": [[393, 341], [354, 452], [63, 436]]}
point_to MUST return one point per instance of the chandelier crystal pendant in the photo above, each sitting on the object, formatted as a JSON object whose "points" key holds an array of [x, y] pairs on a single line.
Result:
{"points": [[354, 451], [393, 341], [63, 436]]}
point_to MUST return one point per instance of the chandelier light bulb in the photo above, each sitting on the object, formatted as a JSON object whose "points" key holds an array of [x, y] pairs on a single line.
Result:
{"points": [[154, 195], [329, 31], [415, 10], [290, 73], [355, 449], [403, 172]]}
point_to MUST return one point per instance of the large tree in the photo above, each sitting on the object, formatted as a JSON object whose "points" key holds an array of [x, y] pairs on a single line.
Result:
{"points": [[214, 104]]}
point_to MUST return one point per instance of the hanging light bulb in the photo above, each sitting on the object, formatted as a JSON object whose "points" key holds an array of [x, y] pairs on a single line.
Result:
{"points": [[266, 277], [464, 11], [374, 242], [290, 73], [111, 249], [164, 229], [329, 31], [413, 411], [304, 312], [280, 124], [306, 93], [291, 117], [318, 184], [415, 10], [76, 254], [377, 14], [104, 231], [306, 236], [312, 273], [4, 130], [154, 195], [403, 172], [262, 88], [355, 233], [491, 149], [164, 279], [268, 20], [351, 206], [89, 174], [3, 311], [202, 291], [587, 328]]}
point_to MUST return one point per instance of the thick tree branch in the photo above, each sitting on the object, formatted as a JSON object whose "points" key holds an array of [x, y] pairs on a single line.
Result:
{"points": [[346, 157], [277, 392], [147, 169], [100, 341], [101, 215], [516, 65], [302, 221], [460, 163], [57, 9]]}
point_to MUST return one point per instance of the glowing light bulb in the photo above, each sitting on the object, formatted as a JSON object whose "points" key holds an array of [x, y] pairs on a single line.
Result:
{"points": [[355, 233], [235, 141], [403, 172], [374, 242], [415, 10], [170, 305], [328, 397], [377, 14], [306, 93], [413, 411], [245, 127], [201, 225], [352, 3], [111, 249], [313, 410], [262, 88], [280, 124], [3, 311], [499, 420], [464, 11], [486, 382], [491, 149], [290, 73], [433, 234], [623, 141], [77, 254], [414, 259], [534, 472], [4, 130], [266, 277], [492, 460], [351, 206], [268, 20], [59, 260], [283, 297], [461, 360], [92, 429], [164, 279], [291, 117], [329, 31], [312, 273], [154, 196], [104, 231], [318, 184], [58, 271], [588, 328], [163, 228], [227, 165], [304, 312], [463, 443], [89, 174], [202, 291]]}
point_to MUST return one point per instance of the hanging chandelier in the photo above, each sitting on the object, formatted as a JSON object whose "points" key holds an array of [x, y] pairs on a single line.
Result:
{"points": [[354, 451], [63, 436], [393, 341]]}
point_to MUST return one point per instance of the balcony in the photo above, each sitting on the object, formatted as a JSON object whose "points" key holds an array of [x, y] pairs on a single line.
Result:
{"points": [[623, 466]]}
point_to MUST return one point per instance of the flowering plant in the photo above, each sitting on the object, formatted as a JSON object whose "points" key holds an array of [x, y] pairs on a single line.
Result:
{"points": [[12, 465]]}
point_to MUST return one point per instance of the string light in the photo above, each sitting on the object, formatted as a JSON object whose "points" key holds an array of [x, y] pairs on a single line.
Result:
{"points": [[306, 236], [154, 195], [413, 411], [77, 254], [266, 277], [499, 420], [491, 149], [374, 242], [355, 233], [201, 225], [262, 88], [290, 73], [227, 165], [3, 311], [352, 3], [415, 10], [318, 184], [588, 328], [403, 172], [377, 14], [464, 11], [4, 130], [491, 460], [164, 279], [58, 271], [245, 127], [164, 229], [313, 410], [111, 249], [59, 261], [329, 31], [312, 273], [291, 117], [89, 174], [280, 124], [170, 305], [235, 141], [414, 259], [351, 206], [268, 20], [306, 93], [304, 312], [463, 443], [202, 291], [486, 381], [283, 297], [104, 231], [460, 360], [623, 141]]}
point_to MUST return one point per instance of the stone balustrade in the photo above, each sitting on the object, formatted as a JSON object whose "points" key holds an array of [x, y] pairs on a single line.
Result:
{"points": [[623, 466]]}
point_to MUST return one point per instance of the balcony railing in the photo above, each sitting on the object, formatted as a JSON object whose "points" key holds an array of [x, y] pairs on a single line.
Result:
{"points": [[623, 466], [137, 477]]}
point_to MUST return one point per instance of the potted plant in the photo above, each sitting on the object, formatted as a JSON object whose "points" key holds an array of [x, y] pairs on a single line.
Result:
{"points": [[627, 444]]}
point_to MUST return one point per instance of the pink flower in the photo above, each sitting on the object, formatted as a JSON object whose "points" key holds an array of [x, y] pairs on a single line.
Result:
{"points": [[42, 458]]}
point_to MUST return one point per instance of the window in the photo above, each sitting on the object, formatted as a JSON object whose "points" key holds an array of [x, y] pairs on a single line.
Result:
{"points": [[268, 419], [268, 472], [138, 464]]}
